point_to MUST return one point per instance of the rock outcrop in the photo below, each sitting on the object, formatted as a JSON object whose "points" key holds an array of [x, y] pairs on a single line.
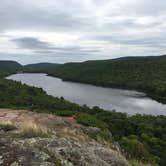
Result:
{"points": [[66, 145]]}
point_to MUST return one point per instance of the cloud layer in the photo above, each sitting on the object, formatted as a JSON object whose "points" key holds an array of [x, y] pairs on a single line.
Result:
{"points": [[62, 31]]}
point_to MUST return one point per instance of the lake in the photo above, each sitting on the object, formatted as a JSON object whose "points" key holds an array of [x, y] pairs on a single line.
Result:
{"points": [[128, 101]]}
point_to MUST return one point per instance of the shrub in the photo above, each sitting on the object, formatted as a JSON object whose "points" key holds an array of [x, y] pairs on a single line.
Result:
{"points": [[139, 163], [90, 120], [135, 149], [65, 113]]}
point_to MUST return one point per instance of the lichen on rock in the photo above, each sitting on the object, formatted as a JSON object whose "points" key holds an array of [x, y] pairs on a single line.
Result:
{"points": [[68, 144]]}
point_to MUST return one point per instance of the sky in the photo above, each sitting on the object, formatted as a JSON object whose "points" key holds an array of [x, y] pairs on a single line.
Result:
{"points": [[60, 31]]}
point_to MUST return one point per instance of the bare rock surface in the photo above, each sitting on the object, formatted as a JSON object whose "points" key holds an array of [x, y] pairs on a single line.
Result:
{"points": [[67, 145]]}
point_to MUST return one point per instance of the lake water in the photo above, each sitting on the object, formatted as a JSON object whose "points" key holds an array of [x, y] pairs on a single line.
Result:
{"points": [[128, 101]]}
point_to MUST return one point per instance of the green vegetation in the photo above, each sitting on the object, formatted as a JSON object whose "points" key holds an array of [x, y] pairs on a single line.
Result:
{"points": [[142, 137], [16, 95], [138, 163], [90, 120], [40, 67], [65, 113], [8, 67], [147, 74]]}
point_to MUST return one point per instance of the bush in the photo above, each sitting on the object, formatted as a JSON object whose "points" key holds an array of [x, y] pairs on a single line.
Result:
{"points": [[65, 113], [139, 163], [90, 120], [135, 149]]}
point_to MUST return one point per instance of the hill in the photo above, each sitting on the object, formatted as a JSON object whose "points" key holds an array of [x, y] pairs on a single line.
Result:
{"points": [[40, 67], [9, 67], [147, 74]]}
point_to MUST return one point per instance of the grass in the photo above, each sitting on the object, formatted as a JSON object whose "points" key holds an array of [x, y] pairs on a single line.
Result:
{"points": [[31, 129], [139, 163], [7, 126]]}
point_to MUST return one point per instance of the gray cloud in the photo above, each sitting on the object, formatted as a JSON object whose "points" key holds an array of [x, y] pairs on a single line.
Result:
{"points": [[148, 7], [156, 41], [24, 15], [31, 43], [101, 27], [41, 47]]}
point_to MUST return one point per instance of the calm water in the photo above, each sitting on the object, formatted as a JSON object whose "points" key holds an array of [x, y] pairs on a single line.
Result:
{"points": [[131, 102]]}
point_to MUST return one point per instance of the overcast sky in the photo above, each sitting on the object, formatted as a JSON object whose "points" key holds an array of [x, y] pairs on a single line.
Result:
{"points": [[60, 31]]}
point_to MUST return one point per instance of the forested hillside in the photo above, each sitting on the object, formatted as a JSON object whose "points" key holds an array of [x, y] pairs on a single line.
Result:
{"points": [[147, 74], [14, 67], [40, 67], [9, 67]]}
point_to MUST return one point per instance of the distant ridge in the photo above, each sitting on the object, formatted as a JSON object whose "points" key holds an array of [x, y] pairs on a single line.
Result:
{"points": [[40, 67], [10, 66]]}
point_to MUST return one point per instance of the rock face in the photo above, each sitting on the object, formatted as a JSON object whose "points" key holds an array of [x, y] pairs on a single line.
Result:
{"points": [[67, 145]]}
